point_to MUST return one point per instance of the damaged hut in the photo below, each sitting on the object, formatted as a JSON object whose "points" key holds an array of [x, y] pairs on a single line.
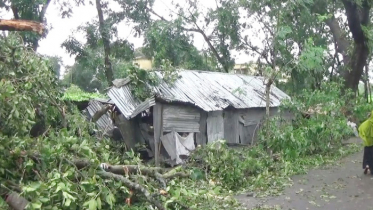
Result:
{"points": [[199, 108]]}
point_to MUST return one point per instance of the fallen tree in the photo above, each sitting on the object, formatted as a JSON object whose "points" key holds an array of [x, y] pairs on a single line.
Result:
{"points": [[122, 173], [21, 25]]}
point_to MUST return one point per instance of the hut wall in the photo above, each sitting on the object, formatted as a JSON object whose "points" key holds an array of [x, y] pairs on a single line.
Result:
{"points": [[231, 126], [201, 137], [215, 126], [250, 121], [180, 118]]}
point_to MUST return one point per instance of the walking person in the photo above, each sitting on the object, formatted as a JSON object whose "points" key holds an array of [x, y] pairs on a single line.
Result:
{"points": [[366, 133]]}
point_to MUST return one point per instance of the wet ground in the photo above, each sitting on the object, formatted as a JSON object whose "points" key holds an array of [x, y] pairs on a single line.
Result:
{"points": [[342, 186]]}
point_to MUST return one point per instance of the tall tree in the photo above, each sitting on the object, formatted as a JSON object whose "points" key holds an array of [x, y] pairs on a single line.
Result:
{"points": [[293, 43], [104, 31], [88, 72], [219, 25], [359, 25], [323, 22], [351, 39], [167, 41], [56, 63]]}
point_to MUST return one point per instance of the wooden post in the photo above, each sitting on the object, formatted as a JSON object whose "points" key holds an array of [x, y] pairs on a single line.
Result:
{"points": [[158, 131]]}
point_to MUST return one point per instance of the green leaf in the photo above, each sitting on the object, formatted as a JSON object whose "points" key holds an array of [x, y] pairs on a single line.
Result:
{"points": [[43, 199], [60, 186], [110, 199], [32, 187], [67, 202], [99, 204], [36, 205], [92, 204]]}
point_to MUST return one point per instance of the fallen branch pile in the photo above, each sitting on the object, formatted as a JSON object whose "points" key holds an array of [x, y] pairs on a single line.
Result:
{"points": [[126, 174]]}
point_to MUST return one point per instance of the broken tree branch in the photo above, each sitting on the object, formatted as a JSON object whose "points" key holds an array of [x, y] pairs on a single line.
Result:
{"points": [[154, 172], [16, 202], [21, 25], [132, 185], [117, 172], [101, 112]]}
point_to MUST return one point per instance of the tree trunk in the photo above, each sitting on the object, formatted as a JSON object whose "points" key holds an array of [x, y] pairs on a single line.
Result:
{"points": [[105, 39], [21, 25], [365, 89], [357, 17], [355, 68], [355, 61], [367, 81]]}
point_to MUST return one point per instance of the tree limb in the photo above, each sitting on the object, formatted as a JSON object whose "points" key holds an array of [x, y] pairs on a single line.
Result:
{"points": [[101, 112], [21, 25], [341, 42], [16, 202], [132, 185]]}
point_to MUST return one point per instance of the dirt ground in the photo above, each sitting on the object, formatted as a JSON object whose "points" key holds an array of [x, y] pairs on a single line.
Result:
{"points": [[342, 186]]}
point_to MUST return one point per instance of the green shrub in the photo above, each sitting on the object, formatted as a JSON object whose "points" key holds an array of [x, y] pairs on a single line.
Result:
{"points": [[229, 167], [361, 110], [321, 134]]}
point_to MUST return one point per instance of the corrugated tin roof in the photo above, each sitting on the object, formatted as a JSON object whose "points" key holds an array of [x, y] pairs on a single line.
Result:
{"points": [[210, 91]]}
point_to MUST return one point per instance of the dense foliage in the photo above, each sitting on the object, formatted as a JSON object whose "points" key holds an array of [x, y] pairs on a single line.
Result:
{"points": [[168, 41], [24, 87], [327, 127]]}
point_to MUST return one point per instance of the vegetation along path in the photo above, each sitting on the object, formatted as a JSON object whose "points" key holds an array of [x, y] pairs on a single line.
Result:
{"points": [[342, 186]]}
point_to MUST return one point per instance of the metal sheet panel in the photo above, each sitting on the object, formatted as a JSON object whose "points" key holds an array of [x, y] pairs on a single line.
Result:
{"points": [[215, 126], [124, 100], [180, 119]]}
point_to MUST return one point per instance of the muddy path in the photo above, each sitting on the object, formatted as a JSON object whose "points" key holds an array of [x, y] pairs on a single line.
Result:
{"points": [[342, 186]]}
